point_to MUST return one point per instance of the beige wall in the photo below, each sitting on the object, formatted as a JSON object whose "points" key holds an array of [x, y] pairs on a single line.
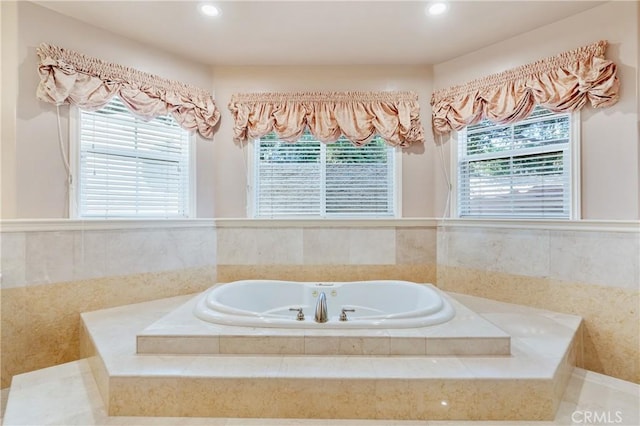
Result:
{"points": [[33, 184], [230, 174], [32, 160], [8, 78], [609, 136]]}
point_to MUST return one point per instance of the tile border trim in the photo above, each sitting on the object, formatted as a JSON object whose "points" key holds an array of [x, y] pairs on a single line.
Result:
{"points": [[51, 225], [629, 226]]}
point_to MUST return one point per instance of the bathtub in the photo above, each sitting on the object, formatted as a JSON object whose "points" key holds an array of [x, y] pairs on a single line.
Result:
{"points": [[376, 304]]}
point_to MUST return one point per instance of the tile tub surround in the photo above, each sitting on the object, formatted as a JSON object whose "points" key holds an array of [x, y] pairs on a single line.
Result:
{"points": [[181, 332], [326, 242], [331, 250], [48, 252], [86, 265], [54, 270], [526, 385], [605, 249], [591, 272], [414, 273]]}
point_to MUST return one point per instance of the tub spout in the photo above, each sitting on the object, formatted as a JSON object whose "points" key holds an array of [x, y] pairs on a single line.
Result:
{"points": [[321, 308]]}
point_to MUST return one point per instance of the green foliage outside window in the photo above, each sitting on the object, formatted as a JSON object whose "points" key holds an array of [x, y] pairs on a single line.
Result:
{"points": [[307, 150]]}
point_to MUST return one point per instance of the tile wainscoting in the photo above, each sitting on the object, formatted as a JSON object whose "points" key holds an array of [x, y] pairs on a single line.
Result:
{"points": [[585, 269], [54, 270]]}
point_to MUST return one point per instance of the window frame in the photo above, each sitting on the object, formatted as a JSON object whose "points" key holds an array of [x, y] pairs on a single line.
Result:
{"points": [[575, 208], [251, 199], [74, 167]]}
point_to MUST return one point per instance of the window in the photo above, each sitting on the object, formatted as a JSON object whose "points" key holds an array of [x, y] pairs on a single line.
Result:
{"points": [[310, 178], [522, 170], [128, 167]]}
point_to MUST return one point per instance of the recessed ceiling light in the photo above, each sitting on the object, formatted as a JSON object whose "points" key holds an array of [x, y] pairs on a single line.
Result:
{"points": [[437, 8], [209, 9]]}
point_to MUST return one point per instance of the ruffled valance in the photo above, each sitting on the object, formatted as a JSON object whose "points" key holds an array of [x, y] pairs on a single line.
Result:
{"points": [[70, 77], [395, 116], [560, 83]]}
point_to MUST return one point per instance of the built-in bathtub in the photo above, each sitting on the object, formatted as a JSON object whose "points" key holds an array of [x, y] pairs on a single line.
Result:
{"points": [[367, 304]]}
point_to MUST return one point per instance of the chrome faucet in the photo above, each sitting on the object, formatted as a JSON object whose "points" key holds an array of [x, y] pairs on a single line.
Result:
{"points": [[343, 314], [299, 315], [321, 308]]}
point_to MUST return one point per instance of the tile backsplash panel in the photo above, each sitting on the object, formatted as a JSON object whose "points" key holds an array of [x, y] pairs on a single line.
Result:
{"points": [[603, 258], [323, 246], [590, 273], [340, 253], [36, 258]]}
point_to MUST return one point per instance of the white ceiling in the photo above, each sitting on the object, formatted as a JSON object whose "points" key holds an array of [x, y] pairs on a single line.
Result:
{"points": [[264, 32]]}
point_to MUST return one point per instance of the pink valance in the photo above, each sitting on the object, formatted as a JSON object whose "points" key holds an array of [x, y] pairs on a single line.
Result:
{"points": [[564, 82], [359, 116], [70, 77]]}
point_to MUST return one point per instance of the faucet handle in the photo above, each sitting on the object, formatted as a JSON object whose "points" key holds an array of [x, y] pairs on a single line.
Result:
{"points": [[300, 315], [343, 314]]}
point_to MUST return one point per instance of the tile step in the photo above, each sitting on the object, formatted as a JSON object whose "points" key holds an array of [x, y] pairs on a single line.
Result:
{"points": [[180, 332], [525, 385]]}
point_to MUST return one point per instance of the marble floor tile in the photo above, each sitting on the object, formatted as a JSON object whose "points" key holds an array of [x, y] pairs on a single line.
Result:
{"points": [[4, 395], [603, 398]]}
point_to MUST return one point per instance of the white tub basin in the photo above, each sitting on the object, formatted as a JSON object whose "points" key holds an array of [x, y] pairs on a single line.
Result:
{"points": [[377, 304]]}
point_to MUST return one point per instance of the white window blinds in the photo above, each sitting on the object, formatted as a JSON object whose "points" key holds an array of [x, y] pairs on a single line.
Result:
{"points": [[518, 170], [309, 178], [130, 167]]}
